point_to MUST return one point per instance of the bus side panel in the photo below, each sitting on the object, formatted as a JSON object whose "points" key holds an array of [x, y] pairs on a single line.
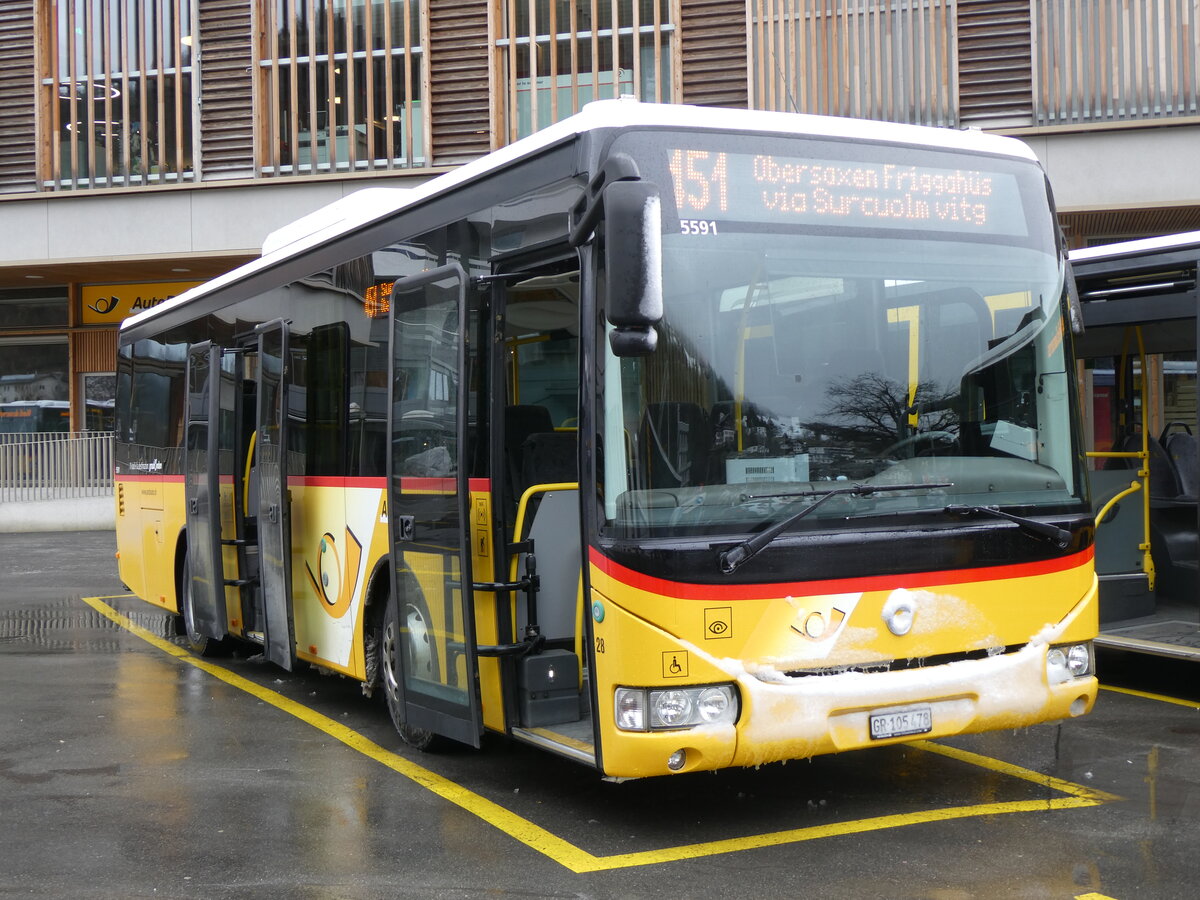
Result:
{"points": [[328, 571], [147, 531]]}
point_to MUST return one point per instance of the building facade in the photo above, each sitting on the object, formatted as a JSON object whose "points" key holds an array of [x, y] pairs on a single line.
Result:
{"points": [[146, 146]]}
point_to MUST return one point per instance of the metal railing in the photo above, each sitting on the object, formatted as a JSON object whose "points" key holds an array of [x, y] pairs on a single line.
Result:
{"points": [[52, 466]]}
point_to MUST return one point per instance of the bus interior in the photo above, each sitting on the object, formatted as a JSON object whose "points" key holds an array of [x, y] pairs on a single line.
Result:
{"points": [[1138, 358]]}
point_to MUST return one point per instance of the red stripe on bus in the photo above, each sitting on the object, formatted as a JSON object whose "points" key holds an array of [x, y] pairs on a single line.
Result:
{"points": [[768, 591]]}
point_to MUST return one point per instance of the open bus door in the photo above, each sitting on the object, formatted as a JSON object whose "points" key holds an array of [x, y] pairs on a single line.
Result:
{"points": [[274, 508], [210, 391], [1140, 305], [429, 635]]}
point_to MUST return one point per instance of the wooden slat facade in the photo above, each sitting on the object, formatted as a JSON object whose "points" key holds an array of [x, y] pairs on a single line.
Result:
{"points": [[714, 41], [459, 75], [93, 350], [226, 89], [18, 90], [995, 70]]}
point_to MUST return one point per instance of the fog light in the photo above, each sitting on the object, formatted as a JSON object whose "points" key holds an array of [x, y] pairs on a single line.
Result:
{"points": [[677, 760]]}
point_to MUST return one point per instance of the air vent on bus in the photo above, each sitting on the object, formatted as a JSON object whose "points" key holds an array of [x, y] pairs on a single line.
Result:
{"points": [[898, 665]]}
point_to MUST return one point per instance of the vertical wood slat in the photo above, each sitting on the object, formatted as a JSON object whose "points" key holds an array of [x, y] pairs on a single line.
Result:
{"points": [[179, 9], [350, 93], [143, 93], [890, 61], [72, 123], [160, 81], [369, 114], [1101, 60], [389, 89], [85, 131], [531, 63]]}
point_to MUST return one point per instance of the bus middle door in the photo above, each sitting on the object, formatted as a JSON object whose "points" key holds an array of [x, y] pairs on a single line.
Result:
{"points": [[274, 504], [435, 658], [209, 495]]}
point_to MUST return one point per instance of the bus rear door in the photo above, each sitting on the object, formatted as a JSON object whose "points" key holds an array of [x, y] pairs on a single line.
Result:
{"points": [[435, 652]]}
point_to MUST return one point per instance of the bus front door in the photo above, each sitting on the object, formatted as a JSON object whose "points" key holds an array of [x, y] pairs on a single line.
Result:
{"points": [[433, 642], [274, 509], [210, 394]]}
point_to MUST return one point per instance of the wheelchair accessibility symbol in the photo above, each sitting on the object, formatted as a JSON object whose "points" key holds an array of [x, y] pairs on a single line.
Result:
{"points": [[675, 664]]}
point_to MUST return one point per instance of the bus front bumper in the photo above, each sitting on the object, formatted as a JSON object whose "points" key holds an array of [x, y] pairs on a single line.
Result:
{"points": [[815, 714]]}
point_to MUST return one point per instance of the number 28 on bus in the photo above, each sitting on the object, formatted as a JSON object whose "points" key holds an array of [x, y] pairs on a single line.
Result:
{"points": [[661, 441]]}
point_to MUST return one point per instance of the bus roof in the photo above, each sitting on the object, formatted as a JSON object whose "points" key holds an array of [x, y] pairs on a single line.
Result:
{"points": [[1140, 247], [371, 205]]}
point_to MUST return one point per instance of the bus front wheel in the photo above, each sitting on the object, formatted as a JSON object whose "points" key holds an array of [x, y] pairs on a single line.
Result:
{"points": [[198, 643], [423, 656]]}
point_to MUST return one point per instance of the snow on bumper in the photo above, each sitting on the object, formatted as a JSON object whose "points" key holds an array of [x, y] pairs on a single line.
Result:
{"points": [[790, 718]]}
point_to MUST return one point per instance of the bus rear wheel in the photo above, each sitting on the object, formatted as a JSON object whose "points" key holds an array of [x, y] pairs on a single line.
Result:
{"points": [[421, 652]]}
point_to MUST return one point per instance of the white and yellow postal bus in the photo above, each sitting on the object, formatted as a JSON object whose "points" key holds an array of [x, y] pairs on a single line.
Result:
{"points": [[666, 439]]}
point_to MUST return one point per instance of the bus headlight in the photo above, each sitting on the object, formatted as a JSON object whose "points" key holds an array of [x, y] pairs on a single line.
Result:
{"points": [[1067, 661], [644, 709]]}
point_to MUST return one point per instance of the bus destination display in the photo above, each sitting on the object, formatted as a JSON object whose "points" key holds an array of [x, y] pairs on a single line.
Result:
{"points": [[711, 187]]}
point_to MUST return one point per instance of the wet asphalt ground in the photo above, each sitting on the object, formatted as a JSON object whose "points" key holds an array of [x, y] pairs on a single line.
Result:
{"points": [[129, 768]]}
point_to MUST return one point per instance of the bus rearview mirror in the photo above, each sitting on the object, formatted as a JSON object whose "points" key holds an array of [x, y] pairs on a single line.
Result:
{"points": [[633, 266]]}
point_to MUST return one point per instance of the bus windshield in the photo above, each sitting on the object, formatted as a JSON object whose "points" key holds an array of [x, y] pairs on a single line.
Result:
{"points": [[864, 314]]}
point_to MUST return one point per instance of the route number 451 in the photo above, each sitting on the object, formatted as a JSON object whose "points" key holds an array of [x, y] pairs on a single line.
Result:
{"points": [[697, 226]]}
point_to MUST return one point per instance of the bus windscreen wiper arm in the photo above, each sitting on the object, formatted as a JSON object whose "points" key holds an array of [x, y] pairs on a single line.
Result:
{"points": [[1059, 536], [735, 556]]}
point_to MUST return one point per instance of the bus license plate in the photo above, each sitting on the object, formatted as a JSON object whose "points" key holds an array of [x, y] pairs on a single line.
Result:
{"points": [[901, 722]]}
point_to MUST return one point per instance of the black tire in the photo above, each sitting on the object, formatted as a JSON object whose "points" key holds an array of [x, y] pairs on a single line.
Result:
{"points": [[421, 649], [200, 644]]}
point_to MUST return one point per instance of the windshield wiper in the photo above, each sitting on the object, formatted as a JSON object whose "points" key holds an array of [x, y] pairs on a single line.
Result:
{"points": [[1057, 536], [747, 549]]}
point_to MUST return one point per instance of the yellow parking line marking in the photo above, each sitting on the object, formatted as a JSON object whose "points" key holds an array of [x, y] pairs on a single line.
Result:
{"points": [[577, 859], [1162, 698], [1093, 896]]}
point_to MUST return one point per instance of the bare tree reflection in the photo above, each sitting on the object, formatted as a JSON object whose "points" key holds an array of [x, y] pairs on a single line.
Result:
{"points": [[869, 414]]}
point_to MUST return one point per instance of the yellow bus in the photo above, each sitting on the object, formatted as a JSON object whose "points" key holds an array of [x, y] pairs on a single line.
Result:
{"points": [[666, 439]]}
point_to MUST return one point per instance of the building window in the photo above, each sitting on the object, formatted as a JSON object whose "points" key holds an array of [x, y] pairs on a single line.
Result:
{"points": [[348, 81], [34, 387], [120, 83], [99, 392], [553, 56], [33, 308]]}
